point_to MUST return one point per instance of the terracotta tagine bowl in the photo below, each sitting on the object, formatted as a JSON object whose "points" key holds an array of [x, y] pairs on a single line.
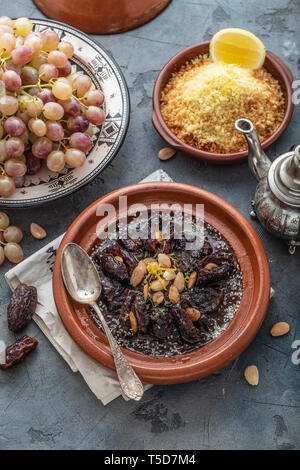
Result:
{"points": [[216, 354], [102, 16], [273, 64]]}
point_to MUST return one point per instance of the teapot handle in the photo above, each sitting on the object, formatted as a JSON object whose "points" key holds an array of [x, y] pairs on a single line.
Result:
{"points": [[293, 147]]}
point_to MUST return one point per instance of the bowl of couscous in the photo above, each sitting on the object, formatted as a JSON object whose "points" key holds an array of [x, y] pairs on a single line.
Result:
{"points": [[196, 102]]}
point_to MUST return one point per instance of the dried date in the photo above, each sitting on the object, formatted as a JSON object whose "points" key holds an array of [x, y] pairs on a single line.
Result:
{"points": [[205, 299], [187, 329], [113, 247], [142, 314], [161, 323], [214, 268], [21, 307], [113, 267], [17, 351]]}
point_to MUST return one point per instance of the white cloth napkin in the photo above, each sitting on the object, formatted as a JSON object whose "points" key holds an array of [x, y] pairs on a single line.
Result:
{"points": [[37, 271]]}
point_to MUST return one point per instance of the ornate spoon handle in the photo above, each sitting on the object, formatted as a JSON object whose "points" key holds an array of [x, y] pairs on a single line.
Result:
{"points": [[130, 384]]}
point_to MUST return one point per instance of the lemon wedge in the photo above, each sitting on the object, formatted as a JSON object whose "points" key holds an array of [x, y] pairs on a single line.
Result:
{"points": [[237, 46]]}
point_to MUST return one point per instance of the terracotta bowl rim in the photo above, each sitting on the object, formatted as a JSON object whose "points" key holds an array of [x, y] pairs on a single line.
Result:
{"points": [[216, 158], [163, 370]]}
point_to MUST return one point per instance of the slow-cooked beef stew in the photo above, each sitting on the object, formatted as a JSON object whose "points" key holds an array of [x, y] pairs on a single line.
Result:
{"points": [[160, 298]]}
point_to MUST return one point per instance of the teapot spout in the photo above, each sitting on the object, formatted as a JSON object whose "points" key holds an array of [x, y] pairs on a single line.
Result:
{"points": [[258, 161]]}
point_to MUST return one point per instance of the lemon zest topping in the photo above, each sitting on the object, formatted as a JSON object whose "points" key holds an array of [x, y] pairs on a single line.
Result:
{"points": [[156, 271]]}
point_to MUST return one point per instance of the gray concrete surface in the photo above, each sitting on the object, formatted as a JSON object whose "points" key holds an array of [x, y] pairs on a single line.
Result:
{"points": [[43, 405]]}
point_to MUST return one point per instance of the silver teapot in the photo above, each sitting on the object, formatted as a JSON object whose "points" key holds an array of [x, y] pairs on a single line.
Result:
{"points": [[277, 198]]}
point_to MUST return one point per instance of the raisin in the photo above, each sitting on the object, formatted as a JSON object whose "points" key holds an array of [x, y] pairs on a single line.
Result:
{"points": [[17, 351], [21, 307]]}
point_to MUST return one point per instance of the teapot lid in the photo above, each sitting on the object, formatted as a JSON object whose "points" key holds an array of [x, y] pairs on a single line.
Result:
{"points": [[284, 177]]}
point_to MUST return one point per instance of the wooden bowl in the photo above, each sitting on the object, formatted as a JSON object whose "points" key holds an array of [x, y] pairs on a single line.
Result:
{"points": [[217, 353], [102, 17], [273, 64]]}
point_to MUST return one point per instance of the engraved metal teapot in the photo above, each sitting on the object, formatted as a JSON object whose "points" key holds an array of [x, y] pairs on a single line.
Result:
{"points": [[277, 198]]}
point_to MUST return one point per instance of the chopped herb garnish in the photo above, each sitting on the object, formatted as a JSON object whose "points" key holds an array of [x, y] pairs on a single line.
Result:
{"points": [[150, 301], [144, 253], [188, 273], [162, 311]]}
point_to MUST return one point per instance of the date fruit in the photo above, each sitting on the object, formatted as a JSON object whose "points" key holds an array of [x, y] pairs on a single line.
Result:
{"points": [[21, 307], [17, 351]]}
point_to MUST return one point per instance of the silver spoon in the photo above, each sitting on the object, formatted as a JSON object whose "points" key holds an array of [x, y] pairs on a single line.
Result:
{"points": [[83, 284]]}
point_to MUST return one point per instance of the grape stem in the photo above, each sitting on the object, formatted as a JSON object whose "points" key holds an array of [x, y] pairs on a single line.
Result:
{"points": [[50, 85], [23, 92], [80, 101], [37, 85], [2, 171], [62, 143], [3, 59]]}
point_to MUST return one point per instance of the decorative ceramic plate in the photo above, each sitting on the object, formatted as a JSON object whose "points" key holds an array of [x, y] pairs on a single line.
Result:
{"points": [[94, 61]]}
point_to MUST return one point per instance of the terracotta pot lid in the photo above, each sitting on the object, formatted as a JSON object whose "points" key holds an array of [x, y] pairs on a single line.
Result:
{"points": [[102, 17]]}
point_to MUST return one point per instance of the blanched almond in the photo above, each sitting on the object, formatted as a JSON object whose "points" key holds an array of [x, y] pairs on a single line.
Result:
{"points": [[174, 295], [133, 322], [192, 279], [37, 231], [143, 266], [158, 298], [272, 292], [164, 260], [280, 328], [193, 313], [146, 292], [156, 286], [251, 375], [118, 258], [149, 260], [166, 153], [158, 236], [179, 282], [137, 276], [169, 275], [210, 266]]}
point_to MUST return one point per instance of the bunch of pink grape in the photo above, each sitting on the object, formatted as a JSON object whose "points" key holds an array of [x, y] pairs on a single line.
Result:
{"points": [[10, 237], [47, 112]]}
